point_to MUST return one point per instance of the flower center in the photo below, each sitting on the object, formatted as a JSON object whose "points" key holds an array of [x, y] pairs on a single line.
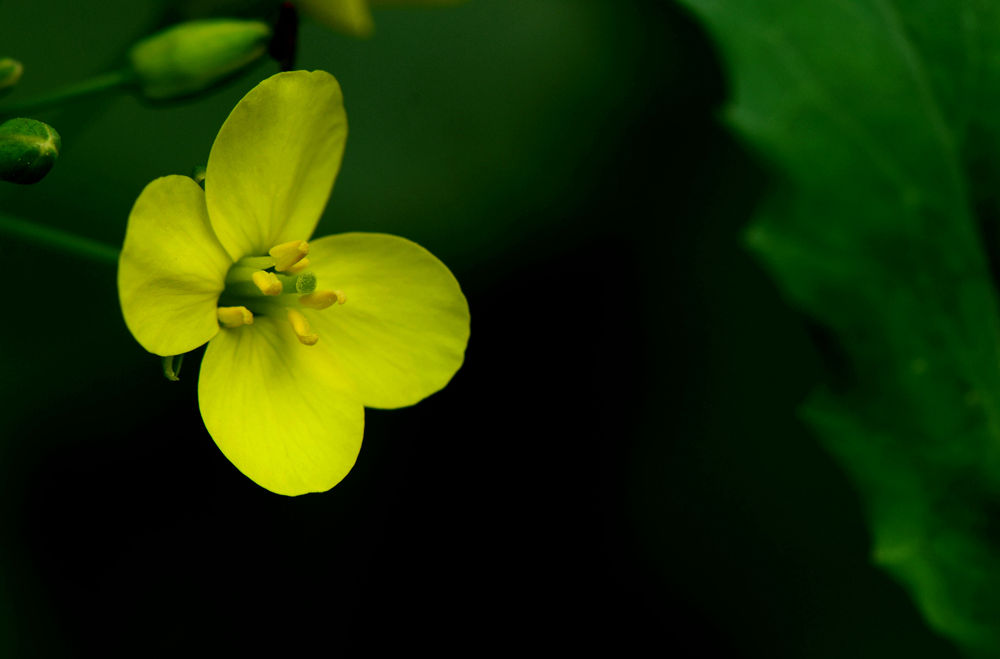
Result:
{"points": [[277, 285]]}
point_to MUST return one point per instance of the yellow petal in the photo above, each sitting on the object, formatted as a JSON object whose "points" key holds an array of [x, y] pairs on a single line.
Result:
{"points": [[350, 16], [172, 269], [401, 334], [273, 164], [279, 415]]}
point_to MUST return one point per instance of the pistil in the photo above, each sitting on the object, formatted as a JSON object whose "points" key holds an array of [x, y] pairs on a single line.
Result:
{"points": [[277, 285]]}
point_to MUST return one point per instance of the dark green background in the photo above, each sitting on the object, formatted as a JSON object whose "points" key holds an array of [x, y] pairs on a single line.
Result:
{"points": [[617, 464]]}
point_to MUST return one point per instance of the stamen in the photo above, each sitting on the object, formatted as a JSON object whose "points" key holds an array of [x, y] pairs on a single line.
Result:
{"points": [[234, 316], [322, 299], [318, 300], [288, 254], [267, 282], [301, 327], [298, 267]]}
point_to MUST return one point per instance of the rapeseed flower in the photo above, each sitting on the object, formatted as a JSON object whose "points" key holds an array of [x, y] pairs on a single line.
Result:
{"points": [[301, 335], [354, 16]]}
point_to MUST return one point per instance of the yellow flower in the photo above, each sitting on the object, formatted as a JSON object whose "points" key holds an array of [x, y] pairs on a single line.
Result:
{"points": [[297, 345], [355, 16]]}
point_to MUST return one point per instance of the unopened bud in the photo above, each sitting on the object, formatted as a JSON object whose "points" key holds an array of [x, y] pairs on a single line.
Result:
{"points": [[10, 74], [193, 56], [198, 174], [28, 149]]}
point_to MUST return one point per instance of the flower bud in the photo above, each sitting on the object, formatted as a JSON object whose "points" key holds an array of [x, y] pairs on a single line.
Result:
{"points": [[190, 57], [198, 174], [28, 149], [10, 73]]}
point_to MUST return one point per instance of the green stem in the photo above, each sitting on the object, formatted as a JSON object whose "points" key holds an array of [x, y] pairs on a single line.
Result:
{"points": [[256, 262], [58, 240], [92, 86]]}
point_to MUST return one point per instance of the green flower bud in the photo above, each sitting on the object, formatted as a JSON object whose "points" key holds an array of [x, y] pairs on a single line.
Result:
{"points": [[198, 174], [190, 57], [10, 73], [28, 149]]}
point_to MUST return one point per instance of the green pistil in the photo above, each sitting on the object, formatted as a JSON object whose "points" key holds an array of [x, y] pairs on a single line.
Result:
{"points": [[305, 283], [242, 291]]}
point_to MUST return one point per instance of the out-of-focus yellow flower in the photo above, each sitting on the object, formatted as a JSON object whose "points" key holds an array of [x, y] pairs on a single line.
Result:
{"points": [[355, 16], [297, 344]]}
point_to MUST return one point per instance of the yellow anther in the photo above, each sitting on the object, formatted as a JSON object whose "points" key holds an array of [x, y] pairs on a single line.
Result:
{"points": [[301, 327], [267, 282], [298, 267], [318, 299], [288, 254], [235, 316], [322, 299]]}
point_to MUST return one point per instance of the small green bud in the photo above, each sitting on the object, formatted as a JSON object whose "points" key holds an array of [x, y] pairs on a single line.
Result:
{"points": [[191, 57], [198, 174], [28, 149], [10, 74]]}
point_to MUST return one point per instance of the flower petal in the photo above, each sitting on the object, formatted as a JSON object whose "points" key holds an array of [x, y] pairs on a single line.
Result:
{"points": [[350, 16], [273, 164], [171, 269], [402, 333], [280, 416]]}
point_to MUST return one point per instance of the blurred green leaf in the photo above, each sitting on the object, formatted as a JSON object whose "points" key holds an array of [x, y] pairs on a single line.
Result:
{"points": [[878, 119]]}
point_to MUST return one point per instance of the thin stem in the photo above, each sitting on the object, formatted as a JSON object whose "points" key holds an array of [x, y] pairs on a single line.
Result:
{"points": [[58, 240], [92, 86], [256, 262]]}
